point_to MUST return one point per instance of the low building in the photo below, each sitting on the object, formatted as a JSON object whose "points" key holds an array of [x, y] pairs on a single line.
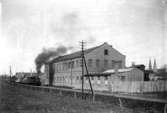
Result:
{"points": [[127, 74], [160, 74]]}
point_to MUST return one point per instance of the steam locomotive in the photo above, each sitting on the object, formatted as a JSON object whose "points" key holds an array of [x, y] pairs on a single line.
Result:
{"points": [[26, 78], [32, 80]]}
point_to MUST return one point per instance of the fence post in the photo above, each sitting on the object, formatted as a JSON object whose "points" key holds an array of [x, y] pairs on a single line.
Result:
{"points": [[75, 95], [93, 98], [120, 103], [165, 108], [60, 92]]}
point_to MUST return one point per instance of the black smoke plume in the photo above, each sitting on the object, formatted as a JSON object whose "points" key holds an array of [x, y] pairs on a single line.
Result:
{"points": [[44, 56]]}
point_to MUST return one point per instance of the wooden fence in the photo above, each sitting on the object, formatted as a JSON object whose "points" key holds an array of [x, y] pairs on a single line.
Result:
{"points": [[131, 86], [138, 86]]}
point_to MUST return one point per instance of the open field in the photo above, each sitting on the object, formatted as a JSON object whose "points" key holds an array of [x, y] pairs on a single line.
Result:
{"points": [[18, 100]]}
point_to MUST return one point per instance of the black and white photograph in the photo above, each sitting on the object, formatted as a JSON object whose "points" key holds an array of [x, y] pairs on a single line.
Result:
{"points": [[83, 56]]}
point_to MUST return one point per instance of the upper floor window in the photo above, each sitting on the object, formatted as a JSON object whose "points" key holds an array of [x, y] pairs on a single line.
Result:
{"points": [[106, 77], [72, 64], [92, 78], [116, 64], [122, 78], [90, 63], [69, 65], [77, 63], [81, 61], [77, 77], [106, 63], [65, 65], [98, 77], [106, 52], [97, 62]]}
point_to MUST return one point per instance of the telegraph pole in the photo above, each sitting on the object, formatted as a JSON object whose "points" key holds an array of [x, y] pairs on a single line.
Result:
{"points": [[10, 72], [84, 64]]}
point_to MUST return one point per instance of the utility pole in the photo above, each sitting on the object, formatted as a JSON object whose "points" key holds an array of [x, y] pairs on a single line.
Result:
{"points": [[10, 73], [71, 73], [84, 64]]}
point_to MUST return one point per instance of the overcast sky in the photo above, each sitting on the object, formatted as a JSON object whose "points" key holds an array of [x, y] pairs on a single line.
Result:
{"points": [[136, 28]]}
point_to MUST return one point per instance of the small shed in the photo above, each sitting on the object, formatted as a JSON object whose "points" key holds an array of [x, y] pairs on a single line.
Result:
{"points": [[127, 74]]}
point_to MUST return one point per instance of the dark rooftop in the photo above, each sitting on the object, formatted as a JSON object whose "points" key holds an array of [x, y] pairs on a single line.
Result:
{"points": [[73, 55]]}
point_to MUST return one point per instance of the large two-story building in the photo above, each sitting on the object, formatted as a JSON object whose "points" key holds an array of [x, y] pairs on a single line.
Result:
{"points": [[67, 70]]}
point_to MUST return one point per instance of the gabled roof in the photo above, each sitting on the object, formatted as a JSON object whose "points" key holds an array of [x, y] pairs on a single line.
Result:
{"points": [[73, 55]]}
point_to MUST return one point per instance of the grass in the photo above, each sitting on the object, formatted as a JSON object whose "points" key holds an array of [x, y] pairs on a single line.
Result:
{"points": [[19, 100]]}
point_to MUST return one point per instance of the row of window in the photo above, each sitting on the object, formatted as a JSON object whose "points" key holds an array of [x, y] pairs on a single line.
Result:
{"points": [[67, 65], [92, 78], [106, 63], [78, 63], [63, 78]]}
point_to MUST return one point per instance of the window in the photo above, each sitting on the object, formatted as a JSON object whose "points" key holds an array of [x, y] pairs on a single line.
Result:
{"points": [[65, 66], [81, 63], [97, 62], [77, 63], [81, 77], [106, 77], [106, 63], [92, 78], [98, 78], [106, 52], [122, 78], [90, 63], [58, 67], [61, 67], [116, 64], [69, 65], [72, 64], [77, 77]]}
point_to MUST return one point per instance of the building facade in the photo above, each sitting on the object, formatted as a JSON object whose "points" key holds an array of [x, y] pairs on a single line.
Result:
{"points": [[67, 69]]}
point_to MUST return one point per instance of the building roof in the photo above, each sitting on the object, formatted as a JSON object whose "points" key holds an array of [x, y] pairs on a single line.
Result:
{"points": [[119, 70], [73, 55], [109, 72]]}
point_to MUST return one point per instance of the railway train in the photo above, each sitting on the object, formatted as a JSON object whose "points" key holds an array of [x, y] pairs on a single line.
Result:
{"points": [[31, 80]]}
